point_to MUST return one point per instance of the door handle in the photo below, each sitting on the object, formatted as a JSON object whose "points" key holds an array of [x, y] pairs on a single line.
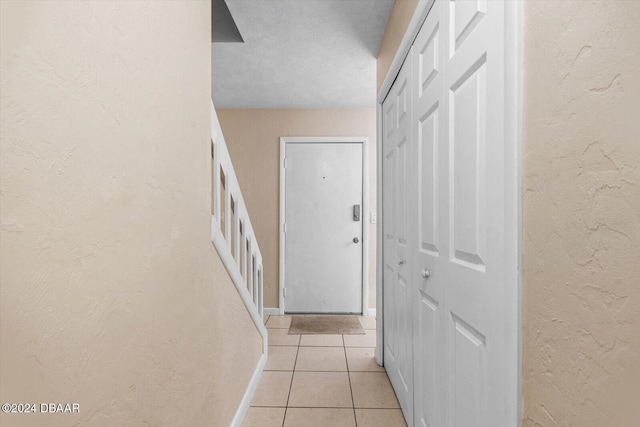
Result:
{"points": [[426, 274], [356, 240], [401, 262]]}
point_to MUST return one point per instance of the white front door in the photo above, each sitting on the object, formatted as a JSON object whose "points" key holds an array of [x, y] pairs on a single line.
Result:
{"points": [[323, 227]]}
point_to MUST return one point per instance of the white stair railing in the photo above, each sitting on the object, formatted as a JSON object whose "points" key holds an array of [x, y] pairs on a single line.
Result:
{"points": [[236, 243]]}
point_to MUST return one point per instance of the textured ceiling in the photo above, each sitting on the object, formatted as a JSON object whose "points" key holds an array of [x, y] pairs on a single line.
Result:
{"points": [[300, 54]]}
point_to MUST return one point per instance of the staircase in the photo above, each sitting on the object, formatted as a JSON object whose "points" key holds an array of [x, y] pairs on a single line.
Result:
{"points": [[235, 240]]}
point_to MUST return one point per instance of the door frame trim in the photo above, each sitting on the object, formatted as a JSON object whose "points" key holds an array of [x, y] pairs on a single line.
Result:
{"points": [[365, 209], [513, 46]]}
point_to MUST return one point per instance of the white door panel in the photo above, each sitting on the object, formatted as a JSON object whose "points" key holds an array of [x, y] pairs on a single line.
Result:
{"points": [[429, 132], [476, 218], [323, 267], [398, 318]]}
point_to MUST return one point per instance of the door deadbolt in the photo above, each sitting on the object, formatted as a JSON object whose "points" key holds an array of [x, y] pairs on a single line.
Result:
{"points": [[356, 240], [401, 262], [356, 212]]}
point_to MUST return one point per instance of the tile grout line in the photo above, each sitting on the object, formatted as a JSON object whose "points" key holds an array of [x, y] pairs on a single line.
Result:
{"points": [[323, 372], [291, 383], [320, 372], [332, 407], [353, 403], [315, 346]]}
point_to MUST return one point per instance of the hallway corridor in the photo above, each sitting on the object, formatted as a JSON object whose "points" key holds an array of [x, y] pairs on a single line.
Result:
{"points": [[323, 380]]}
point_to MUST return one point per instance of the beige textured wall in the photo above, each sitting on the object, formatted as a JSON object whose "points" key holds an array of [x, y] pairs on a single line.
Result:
{"points": [[396, 26], [111, 293], [253, 137], [581, 312]]}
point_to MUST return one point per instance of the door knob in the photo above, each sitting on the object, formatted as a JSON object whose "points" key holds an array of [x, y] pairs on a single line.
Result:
{"points": [[356, 240], [401, 262], [426, 274]]}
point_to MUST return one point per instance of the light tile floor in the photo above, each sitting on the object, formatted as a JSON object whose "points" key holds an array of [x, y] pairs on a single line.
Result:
{"points": [[323, 380]]}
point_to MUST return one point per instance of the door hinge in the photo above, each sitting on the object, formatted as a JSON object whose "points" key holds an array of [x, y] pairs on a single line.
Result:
{"points": [[284, 292], [284, 227], [285, 162]]}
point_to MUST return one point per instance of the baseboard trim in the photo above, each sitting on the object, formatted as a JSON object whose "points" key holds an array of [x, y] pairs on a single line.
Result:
{"points": [[371, 312], [248, 394]]}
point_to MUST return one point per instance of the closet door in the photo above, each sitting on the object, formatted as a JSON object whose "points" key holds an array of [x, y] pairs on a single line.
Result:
{"points": [[429, 220], [459, 279], [450, 223], [475, 187], [398, 319]]}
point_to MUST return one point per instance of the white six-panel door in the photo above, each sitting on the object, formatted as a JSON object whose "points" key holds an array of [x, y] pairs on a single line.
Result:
{"points": [[429, 216], [398, 320], [445, 219], [474, 80]]}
